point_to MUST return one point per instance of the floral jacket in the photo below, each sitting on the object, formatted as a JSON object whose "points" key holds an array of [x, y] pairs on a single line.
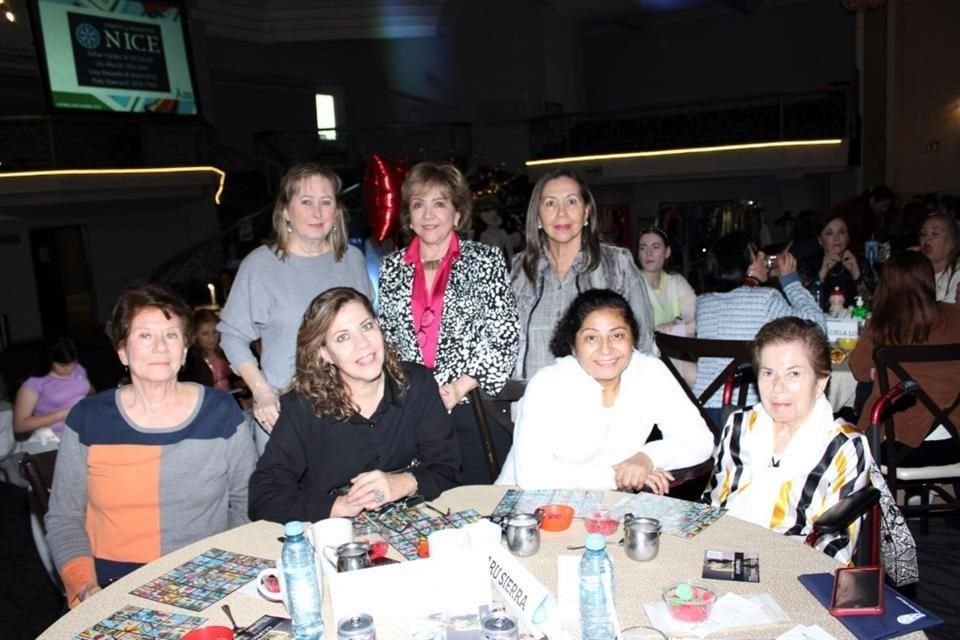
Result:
{"points": [[479, 328]]}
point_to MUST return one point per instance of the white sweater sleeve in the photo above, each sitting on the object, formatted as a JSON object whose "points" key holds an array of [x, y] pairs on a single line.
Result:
{"points": [[536, 436], [686, 438]]}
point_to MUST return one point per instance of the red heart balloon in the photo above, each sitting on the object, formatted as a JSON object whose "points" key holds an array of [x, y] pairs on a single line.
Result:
{"points": [[381, 195]]}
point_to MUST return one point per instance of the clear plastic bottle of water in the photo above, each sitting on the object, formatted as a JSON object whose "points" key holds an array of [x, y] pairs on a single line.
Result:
{"points": [[596, 590], [302, 583]]}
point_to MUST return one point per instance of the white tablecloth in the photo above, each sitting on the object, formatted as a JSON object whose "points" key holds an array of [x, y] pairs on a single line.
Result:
{"points": [[781, 560]]}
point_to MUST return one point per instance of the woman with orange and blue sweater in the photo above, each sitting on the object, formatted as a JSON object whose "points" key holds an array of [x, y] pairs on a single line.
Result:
{"points": [[151, 466]]}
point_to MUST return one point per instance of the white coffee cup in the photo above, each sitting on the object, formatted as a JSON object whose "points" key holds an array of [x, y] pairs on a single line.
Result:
{"points": [[331, 532], [272, 572], [447, 543], [484, 535]]}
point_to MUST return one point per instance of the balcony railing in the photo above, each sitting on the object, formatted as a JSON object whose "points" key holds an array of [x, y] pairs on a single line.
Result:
{"points": [[804, 115], [69, 142]]}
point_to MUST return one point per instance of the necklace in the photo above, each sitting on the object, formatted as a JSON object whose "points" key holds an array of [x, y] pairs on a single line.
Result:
{"points": [[431, 265]]}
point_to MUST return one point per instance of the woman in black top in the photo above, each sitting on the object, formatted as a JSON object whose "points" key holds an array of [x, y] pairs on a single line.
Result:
{"points": [[357, 429]]}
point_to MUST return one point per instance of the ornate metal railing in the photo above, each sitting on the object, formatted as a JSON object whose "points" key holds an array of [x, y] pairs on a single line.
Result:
{"points": [[827, 113]]}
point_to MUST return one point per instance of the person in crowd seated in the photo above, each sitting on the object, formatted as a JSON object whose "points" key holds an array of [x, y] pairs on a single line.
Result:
{"points": [[276, 282], [358, 429], [446, 303], [906, 312], [786, 461], [837, 266], [206, 363], [938, 241], [563, 257], [148, 467], [584, 421], [905, 232], [44, 400], [671, 296], [737, 306], [868, 215]]}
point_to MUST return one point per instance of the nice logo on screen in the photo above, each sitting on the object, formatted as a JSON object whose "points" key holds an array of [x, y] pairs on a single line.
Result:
{"points": [[88, 36]]}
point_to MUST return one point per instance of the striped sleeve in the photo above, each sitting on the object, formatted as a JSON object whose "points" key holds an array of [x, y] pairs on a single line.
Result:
{"points": [[66, 517]]}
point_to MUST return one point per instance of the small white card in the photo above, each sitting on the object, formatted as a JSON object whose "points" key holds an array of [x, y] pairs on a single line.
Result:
{"points": [[802, 632]]}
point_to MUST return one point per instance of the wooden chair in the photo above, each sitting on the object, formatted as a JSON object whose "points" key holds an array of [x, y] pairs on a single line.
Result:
{"points": [[691, 350], [494, 413], [900, 361], [37, 470], [864, 503]]}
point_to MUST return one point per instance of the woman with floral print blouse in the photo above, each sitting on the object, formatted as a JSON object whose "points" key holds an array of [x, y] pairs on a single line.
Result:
{"points": [[446, 303]]}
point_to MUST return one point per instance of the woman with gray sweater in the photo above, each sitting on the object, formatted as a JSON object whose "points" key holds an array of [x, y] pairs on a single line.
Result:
{"points": [[563, 258], [276, 282]]}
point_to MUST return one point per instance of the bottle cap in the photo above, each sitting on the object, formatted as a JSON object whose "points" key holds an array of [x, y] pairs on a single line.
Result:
{"points": [[293, 528], [595, 542]]}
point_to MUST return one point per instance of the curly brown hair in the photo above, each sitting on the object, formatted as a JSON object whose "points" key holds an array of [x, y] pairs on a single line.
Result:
{"points": [[320, 381]]}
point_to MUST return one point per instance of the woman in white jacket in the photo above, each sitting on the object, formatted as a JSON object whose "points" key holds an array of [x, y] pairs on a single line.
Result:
{"points": [[584, 421]]}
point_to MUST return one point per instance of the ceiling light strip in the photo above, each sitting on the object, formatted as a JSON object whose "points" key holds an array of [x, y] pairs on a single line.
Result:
{"points": [[690, 150], [143, 171]]}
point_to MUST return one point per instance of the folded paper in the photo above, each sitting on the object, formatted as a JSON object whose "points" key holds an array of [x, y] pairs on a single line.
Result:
{"points": [[522, 592]]}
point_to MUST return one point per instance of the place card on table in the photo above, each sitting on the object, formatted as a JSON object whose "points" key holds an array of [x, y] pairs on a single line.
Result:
{"points": [[526, 596], [731, 565]]}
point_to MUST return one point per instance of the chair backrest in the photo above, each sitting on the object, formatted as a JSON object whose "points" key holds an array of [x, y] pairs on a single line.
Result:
{"points": [[740, 353], [37, 470], [902, 361], [494, 413]]}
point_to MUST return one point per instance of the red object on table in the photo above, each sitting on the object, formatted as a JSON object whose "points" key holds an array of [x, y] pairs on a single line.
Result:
{"points": [[378, 548], [601, 522], [214, 632], [423, 548]]}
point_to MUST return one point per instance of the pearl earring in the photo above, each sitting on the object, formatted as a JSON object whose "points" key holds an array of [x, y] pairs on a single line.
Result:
{"points": [[586, 222], [289, 228]]}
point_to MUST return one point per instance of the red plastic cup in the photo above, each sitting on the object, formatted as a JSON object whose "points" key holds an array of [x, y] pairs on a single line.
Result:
{"points": [[214, 632], [601, 522]]}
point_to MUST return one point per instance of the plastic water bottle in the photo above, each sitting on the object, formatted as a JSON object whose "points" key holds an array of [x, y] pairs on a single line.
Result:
{"points": [[303, 586], [596, 590]]}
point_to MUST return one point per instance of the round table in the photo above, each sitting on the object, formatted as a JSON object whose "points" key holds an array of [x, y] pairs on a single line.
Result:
{"points": [[781, 561]]}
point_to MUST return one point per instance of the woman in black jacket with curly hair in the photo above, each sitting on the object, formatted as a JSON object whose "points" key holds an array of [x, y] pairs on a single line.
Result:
{"points": [[358, 429]]}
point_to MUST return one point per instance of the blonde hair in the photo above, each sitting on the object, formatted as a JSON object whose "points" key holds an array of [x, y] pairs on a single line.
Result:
{"points": [[318, 380], [290, 185]]}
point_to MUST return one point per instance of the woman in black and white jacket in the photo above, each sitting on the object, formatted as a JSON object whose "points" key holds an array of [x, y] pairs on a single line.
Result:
{"points": [[446, 303]]}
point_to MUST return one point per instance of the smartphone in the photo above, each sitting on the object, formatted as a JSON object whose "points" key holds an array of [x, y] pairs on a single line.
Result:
{"points": [[858, 591]]}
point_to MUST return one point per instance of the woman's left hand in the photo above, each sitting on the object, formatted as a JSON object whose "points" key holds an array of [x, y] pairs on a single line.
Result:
{"points": [[637, 471], [371, 490], [454, 391], [850, 264]]}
